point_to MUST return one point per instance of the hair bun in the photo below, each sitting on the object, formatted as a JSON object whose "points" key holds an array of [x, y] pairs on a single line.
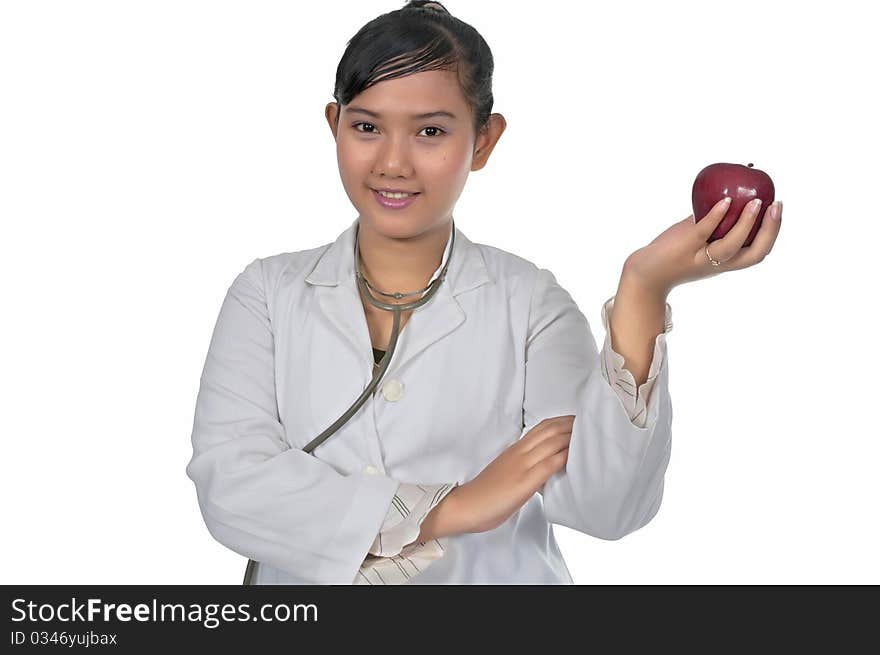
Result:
{"points": [[422, 4]]}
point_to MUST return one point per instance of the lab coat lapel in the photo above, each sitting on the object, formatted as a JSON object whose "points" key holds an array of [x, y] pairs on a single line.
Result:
{"points": [[428, 324], [340, 301]]}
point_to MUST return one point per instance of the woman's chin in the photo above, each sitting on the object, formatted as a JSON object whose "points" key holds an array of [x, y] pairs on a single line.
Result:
{"points": [[392, 227]]}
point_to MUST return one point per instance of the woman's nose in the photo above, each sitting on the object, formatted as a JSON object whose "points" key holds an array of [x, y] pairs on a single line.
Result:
{"points": [[394, 157]]}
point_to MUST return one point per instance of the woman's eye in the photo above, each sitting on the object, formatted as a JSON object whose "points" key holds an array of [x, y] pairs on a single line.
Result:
{"points": [[434, 135]]}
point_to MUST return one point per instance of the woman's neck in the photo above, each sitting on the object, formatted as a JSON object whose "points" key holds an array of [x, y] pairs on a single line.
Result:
{"points": [[403, 265]]}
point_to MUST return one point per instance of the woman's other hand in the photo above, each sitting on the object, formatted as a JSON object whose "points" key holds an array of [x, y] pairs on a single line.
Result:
{"points": [[514, 476]]}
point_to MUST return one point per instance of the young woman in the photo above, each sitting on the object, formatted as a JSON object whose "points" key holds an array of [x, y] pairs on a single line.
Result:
{"points": [[496, 415]]}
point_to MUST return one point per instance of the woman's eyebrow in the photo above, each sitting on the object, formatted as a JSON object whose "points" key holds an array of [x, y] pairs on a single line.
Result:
{"points": [[430, 114]]}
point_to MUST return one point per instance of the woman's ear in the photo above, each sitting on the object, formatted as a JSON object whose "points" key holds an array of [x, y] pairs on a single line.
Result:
{"points": [[330, 113], [486, 140]]}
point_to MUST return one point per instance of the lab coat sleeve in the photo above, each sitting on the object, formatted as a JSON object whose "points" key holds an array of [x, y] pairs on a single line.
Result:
{"points": [[257, 495], [612, 483]]}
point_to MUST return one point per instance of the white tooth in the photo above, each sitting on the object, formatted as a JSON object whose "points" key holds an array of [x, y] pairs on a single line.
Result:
{"points": [[396, 196]]}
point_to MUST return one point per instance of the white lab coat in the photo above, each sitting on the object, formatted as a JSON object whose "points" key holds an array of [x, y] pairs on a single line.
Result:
{"points": [[500, 347]]}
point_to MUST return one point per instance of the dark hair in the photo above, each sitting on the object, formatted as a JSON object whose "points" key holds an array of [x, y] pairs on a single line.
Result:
{"points": [[421, 36]]}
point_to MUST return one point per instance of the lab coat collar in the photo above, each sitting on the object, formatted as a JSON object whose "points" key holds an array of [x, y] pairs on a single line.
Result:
{"points": [[339, 298], [336, 265]]}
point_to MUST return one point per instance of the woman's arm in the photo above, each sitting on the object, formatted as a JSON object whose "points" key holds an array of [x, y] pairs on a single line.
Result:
{"points": [[637, 318], [446, 519], [612, 483]]}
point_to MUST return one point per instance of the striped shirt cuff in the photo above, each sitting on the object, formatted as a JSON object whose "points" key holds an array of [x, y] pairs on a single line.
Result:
{"points": [[395, 555], [409, 507], [621, 379], [412, 560]]}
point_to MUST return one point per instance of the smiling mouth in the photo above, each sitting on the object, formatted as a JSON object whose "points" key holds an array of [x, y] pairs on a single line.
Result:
{"points": [[394, 203], [406, 193]]}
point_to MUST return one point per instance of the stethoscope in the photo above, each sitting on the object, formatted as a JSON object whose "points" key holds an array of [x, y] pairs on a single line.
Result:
{"points": [[365, 288]]}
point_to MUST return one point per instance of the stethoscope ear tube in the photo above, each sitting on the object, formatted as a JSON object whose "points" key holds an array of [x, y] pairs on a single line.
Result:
{"points": [[251, 570]]}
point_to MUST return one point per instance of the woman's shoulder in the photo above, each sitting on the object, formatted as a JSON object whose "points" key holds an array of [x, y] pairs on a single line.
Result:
{"points": [[290, 263], [506, 266]]}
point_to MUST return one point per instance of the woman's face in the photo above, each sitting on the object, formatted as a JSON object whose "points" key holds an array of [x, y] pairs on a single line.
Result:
{"points": [[393, 148]]}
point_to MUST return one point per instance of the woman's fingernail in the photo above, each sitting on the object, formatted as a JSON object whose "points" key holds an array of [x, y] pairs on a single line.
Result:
{"points": [[776, 209], [756, 205]]}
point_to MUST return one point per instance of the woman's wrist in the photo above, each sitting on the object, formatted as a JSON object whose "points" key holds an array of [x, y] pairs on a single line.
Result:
{"points": [[444, 520]]}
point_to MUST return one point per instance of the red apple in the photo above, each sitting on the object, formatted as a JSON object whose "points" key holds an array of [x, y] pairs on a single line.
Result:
{"points": [[742, 184]]}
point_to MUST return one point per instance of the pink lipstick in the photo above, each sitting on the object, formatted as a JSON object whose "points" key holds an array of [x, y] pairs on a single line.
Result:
{"points": [[394, 203]]}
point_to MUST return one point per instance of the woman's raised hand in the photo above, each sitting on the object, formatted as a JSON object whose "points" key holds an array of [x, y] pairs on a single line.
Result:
{"points": [[678, 255], [514, 476]]}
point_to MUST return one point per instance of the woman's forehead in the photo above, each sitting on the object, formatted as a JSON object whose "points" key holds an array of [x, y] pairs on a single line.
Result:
{"points": [[412, 96]]}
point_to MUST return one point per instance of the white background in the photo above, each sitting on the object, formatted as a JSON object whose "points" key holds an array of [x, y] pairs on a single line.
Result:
{"points": [[150, 150]]}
